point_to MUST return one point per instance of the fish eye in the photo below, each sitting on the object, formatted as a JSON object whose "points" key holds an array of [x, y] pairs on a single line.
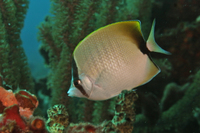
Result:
{"points": [[77, 82]]}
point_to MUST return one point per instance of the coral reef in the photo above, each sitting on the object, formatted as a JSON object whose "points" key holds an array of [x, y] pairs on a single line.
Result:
{"points": [[177, 92], [124, 117], [179, 35], [172, 93], [58, 119], [26, 101], [14, 68], [196, 114], [37, 124], [122, 121], [185, 50], [11, 113], [172, 12], [17, 113], [169, 103], [148, 105], [83, 128], [59, 35], [179, 115]]}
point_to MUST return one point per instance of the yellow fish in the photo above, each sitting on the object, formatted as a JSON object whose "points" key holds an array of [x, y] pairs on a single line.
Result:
{"points": [[114, 58]]}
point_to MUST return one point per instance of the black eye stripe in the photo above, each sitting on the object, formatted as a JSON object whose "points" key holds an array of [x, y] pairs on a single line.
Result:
{"points": [[76, 83], [80, 88]]}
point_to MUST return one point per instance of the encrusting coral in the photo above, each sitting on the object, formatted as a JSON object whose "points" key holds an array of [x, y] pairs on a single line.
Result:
{"points": [[58, 118], [16, 114], [124, 117], [26, 101], [11, 113], [122, 122], [83, 128]]}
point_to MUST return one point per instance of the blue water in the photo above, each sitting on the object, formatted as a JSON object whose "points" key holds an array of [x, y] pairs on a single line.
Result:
{"points": [[37, 11]]}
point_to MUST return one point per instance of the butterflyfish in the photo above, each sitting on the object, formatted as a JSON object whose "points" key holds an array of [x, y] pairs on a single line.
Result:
{"points": [[114, 58]]}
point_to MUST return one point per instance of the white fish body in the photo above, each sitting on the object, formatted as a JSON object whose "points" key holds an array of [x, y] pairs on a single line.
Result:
{"points": [[110, 60]]}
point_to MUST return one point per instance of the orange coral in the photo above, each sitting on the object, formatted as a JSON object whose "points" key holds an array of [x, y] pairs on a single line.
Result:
{"points": [[26, 101], [37, 124], [2, 107], [83, 128], [32, 98], [14, 108], [7, 97]]}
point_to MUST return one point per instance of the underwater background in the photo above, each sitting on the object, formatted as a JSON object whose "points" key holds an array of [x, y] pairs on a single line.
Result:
{"points": [[35, 15], [37, 39]]}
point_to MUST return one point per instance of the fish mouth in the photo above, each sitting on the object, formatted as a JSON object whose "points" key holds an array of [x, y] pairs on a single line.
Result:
{"points": [[71, 92], [77, 92]]}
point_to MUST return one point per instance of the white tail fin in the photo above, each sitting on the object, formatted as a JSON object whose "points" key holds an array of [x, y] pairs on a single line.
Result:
{"points": [[152, 45]]}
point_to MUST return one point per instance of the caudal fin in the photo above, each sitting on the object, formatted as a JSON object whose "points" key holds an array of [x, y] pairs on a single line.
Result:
{"points": [[151, 43]]}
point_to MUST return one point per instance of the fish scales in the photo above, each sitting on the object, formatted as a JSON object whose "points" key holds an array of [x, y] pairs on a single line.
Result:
{"points": [[112, 59]]}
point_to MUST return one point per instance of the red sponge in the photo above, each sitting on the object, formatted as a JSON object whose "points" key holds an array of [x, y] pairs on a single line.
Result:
{"points": [[11, 113]]}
